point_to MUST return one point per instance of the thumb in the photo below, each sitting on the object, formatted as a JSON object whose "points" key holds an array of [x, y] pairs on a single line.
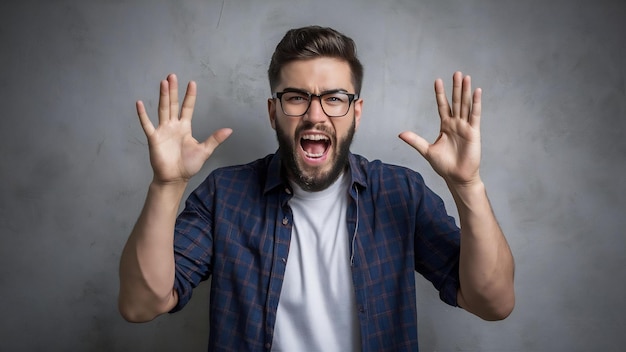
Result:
{"points": [[415, 141], [217, 138]]}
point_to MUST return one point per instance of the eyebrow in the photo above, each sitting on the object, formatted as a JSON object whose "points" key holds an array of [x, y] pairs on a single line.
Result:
{"points": [[329, 91]]}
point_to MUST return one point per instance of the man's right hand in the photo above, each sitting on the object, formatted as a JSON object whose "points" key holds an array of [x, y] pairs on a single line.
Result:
{"points": [[175, 155], [147, 265]]}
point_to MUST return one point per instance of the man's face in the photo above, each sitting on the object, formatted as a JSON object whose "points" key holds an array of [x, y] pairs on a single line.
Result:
{"points": [[314, 147]]}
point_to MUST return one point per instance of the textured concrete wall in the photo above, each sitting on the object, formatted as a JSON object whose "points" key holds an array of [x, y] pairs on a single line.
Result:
{"points": [[74, 162]]}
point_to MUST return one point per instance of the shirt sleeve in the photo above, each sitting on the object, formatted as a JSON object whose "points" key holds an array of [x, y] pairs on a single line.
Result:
{"points": [[193, 242], [437, 245]]}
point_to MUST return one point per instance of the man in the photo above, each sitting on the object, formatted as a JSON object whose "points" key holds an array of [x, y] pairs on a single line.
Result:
{"points": [[314, 248]]}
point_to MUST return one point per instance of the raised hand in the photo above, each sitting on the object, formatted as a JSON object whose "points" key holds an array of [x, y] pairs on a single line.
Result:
{"points": [[455, 155], [175, 155]]}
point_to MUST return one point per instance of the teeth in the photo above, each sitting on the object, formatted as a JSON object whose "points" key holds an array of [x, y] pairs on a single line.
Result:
{"points": [[310, 155], [315, 137]]}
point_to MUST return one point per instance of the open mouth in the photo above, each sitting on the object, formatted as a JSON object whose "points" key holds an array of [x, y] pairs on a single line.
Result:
{"points": [[314, 146]]}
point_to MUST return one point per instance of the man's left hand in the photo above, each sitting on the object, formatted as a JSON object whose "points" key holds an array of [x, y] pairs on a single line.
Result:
{"points": [[455, 155]]}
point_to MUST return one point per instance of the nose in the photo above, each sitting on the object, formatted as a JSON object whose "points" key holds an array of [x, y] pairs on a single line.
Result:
{"points": [[315, 113]]}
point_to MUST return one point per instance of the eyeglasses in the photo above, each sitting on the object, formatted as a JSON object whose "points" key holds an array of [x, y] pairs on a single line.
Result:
{"points": [[297, 102]]}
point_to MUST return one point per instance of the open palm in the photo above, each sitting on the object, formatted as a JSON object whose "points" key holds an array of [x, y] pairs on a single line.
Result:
{"points": [[175, 155], [455, 155]]}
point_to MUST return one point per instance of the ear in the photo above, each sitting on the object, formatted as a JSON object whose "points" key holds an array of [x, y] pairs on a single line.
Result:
{"points": [[271, 111], [358, 108]]}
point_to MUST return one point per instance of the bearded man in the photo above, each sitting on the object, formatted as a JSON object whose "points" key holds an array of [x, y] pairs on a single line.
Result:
{"points": [[313, 247]]}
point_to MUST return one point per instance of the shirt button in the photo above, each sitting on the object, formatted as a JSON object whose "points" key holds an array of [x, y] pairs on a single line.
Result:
{"points": [[285, 221], [267, 345], [287, 190]]}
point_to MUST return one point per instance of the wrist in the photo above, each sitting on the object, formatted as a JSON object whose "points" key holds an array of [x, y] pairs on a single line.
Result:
{"points": [[173, 184], [467, 190], [171, 188], [474, 183]]}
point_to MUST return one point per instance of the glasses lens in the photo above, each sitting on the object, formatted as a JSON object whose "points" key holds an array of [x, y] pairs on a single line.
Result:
{"points": [[294, 103], [335, 104]]}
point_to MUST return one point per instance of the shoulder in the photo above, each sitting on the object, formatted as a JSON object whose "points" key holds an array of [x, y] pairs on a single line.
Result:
{"points": [[235, 180], [245, 172], [370, 173]]}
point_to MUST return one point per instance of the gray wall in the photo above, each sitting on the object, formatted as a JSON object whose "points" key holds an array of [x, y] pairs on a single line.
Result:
{"points": [[74, 161]]}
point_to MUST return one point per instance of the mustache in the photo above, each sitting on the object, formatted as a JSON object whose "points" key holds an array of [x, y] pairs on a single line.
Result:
{"points": [[307, 125]]}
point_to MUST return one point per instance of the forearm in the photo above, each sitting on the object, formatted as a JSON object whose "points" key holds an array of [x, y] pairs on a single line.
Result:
{"points": [[486, 263], [147, 265]]}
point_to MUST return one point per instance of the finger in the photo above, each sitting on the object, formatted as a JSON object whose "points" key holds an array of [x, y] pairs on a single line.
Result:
{"points": [[173, 81], [146, 124], [164, 102], [466, 98], [474, 118], [442, 100], [189, 102], [217, 138], [415, 141], [457, 79]]}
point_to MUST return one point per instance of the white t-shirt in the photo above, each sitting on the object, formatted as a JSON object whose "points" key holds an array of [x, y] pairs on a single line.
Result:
{"points": [[317, 306]]}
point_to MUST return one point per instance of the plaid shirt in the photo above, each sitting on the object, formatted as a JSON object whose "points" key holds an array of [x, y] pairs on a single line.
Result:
{"points": [[236, 228]]}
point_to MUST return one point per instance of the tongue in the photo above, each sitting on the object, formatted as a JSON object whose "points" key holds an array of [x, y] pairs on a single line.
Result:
{"points": [[313, 147]]}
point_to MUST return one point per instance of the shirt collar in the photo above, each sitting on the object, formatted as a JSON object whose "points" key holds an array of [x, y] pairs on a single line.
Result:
{"points": [[275, 177]]}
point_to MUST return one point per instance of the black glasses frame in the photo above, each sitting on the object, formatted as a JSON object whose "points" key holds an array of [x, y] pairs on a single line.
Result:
{"points": [[279, 95]]}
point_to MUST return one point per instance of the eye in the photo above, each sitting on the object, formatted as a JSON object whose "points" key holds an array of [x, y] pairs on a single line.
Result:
{"points": [[295, 98], [336, 98]]}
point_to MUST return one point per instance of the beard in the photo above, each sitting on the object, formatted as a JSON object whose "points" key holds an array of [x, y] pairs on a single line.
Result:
{"points": [[316, 180]]}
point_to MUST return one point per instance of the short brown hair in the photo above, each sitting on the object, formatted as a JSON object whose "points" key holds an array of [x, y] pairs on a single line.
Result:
{"points": [[313, 42]]}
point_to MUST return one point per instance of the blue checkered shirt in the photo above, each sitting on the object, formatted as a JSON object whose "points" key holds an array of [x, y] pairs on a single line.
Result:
{"points": [[236, 228]]}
